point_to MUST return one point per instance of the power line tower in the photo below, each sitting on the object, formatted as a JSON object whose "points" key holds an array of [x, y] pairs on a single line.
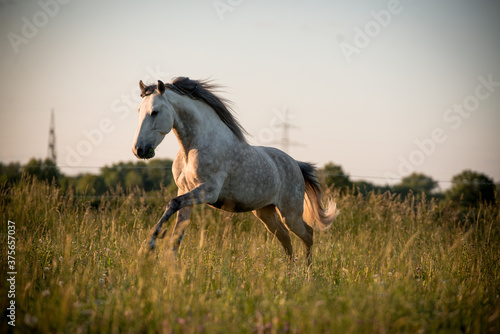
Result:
{"points": [[51, 151], [285, 141]]}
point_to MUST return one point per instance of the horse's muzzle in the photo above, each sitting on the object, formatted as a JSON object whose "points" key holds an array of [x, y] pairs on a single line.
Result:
{"points": [[144, 153]]}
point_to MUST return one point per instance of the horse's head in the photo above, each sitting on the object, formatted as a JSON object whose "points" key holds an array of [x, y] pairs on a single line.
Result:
{"points": [[156, 118]]}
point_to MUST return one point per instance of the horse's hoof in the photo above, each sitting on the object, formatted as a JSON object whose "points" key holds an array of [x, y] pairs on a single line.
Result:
{"points": [[152, 245]]}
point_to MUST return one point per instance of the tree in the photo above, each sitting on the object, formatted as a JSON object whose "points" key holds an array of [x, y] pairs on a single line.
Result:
{"points": [[10, 174], [43, 170], [134, 179], [470, 188], [90, 184], [334, 176], [364, 188], [416, 182], [148, 176], [110, 176], [160, 173]]}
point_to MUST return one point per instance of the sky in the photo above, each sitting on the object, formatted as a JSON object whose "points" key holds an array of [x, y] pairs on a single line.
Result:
{"points": [[382, 88]]}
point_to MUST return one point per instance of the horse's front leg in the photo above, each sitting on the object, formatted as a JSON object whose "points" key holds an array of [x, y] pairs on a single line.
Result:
{"points": [[201, 194], [180, 226]]}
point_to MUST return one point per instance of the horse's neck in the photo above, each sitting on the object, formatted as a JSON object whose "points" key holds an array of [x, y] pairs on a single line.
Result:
{"points": [[196, 125]]}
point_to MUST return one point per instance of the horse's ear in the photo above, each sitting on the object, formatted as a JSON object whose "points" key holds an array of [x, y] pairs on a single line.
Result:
{"points": [[143, 87], [161, 87]]}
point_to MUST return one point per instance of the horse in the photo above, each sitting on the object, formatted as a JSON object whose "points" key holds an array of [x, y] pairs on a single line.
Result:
{"points": [[215, 165]]}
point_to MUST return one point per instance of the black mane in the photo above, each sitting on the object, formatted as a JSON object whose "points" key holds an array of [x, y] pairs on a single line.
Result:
{"points": [[204, 90]]}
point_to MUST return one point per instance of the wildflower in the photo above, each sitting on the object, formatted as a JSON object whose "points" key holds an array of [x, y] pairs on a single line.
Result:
{"points": [[30, 320]]}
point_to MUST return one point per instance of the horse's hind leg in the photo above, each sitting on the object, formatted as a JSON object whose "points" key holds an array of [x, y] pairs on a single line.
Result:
{"points": [[293, 220], [269, 216]]}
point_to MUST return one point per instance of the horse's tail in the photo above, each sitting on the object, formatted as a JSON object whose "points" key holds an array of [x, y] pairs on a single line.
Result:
{"points": [[314, 212]]}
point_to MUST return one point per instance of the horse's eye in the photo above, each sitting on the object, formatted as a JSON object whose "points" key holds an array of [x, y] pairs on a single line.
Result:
{"points": [[154, 113]]}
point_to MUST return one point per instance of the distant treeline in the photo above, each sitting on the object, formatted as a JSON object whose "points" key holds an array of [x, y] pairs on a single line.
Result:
{"points": [[469, 188], [127, 176]]}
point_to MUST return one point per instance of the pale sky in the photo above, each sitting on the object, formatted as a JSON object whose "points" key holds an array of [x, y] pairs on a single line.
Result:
{"points": [[380, 87]]}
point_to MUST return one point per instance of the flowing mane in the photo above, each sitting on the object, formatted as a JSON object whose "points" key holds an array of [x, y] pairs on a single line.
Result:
{"points": [[204, 90]]}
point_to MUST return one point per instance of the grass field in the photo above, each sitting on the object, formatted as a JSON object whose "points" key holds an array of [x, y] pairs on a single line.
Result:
{"points": [[387, 265]]}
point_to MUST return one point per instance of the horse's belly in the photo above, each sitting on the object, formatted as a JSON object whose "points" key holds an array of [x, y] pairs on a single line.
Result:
{"points": [[251, 197], [232, 206]]}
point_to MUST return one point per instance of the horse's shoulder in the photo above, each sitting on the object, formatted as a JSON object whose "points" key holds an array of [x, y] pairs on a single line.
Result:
{"points": [[178, 164]]}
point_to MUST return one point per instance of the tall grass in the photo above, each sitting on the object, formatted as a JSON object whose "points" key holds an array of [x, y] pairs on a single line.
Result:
{"points": [[387, 265]]}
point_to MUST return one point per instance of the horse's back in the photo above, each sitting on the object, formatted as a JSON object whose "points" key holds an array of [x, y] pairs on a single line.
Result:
{"points": [[291, 182], [288, 168]]}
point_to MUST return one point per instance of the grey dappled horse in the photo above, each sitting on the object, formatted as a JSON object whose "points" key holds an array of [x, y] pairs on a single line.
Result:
{"points": [[216, 165]]}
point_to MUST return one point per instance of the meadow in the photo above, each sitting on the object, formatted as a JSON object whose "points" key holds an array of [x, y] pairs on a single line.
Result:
{"points": [[387, 265]]}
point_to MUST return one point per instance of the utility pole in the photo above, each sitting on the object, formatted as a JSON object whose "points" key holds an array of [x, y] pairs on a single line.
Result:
{"points": [[285, 141], [51, 151]]}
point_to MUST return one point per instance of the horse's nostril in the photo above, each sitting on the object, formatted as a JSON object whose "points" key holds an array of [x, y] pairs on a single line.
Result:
{"points": [[140, 152]]}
